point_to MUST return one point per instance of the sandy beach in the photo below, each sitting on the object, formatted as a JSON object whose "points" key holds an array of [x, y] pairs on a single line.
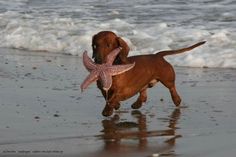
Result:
{"points": [[43, 112]]}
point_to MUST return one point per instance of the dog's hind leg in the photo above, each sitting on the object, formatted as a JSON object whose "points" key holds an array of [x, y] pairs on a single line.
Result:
{"points": [[175, 96], [173, 92]]}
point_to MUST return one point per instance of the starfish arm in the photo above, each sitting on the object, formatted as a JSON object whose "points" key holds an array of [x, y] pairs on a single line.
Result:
{"points": [[106, 79], [112, 56], [88, 63], [93, 76], [118, 69]]}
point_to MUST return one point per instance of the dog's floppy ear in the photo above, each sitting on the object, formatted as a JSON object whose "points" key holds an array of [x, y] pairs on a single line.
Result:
{"points": [[93, 46], [124, 51]]}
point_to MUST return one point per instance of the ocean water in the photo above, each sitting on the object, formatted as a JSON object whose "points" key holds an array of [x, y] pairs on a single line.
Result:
{"points": [[67, 26]]}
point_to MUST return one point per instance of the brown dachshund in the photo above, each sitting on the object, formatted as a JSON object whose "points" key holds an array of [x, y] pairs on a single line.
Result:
{"points": [[148, 70]]}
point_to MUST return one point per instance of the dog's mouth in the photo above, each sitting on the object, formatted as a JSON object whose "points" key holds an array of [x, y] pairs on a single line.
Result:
{"points": [[117, 61], [101, 61], [98, 61], [100, 58]]}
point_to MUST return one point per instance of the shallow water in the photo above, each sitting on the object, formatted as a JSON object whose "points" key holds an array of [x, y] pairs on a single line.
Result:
{"points": [[59, 26], [43, 113]]}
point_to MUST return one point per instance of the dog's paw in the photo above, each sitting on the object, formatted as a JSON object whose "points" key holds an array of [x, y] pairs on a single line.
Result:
{"points": [[136, 105], [117, 106], [107, 111], [177, 101]]}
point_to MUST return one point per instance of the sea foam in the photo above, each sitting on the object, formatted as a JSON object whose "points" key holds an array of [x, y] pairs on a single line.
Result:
{"points": [[34, 31]]}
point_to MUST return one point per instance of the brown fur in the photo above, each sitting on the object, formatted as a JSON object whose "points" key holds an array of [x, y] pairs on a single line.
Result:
{"points": [[148, 70]]}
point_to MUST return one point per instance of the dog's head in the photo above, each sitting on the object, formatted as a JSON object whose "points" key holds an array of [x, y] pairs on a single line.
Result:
{"points": [[104, 42]]}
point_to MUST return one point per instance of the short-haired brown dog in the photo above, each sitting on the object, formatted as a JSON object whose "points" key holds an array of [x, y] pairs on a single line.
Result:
{"points": [[148, 70]]}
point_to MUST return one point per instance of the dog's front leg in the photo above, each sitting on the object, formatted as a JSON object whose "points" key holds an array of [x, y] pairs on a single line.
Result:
{"points": [[108, 110], [112, 102], [141, 99]]}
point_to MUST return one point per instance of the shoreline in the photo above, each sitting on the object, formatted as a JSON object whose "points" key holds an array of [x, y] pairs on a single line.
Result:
{"points": [[23, 52], [42, 109]]}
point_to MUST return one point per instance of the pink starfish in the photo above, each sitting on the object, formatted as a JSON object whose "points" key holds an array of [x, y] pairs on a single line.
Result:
{"points": [[103, 72]]}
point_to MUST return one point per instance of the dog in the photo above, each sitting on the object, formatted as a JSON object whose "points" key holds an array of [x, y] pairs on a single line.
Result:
{"points": [[148, 70]]}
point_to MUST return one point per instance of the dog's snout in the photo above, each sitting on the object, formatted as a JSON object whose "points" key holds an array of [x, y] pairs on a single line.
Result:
{"points": [[97, 58]]}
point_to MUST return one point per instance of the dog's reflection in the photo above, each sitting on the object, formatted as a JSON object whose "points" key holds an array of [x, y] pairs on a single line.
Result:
{"points": [[115, 131]]}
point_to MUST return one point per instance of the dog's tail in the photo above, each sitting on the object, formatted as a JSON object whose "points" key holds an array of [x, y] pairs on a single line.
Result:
{"points": [[172, 52]]}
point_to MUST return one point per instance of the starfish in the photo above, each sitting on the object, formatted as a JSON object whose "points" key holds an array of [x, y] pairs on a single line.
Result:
{"points": [[103, 72]]}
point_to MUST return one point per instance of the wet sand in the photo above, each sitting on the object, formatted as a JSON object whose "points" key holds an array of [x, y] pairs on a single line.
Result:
{"points": [[43, 113]]}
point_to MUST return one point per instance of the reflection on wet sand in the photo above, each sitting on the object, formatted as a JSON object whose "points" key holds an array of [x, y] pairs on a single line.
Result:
{"points": [[130, 136]]}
